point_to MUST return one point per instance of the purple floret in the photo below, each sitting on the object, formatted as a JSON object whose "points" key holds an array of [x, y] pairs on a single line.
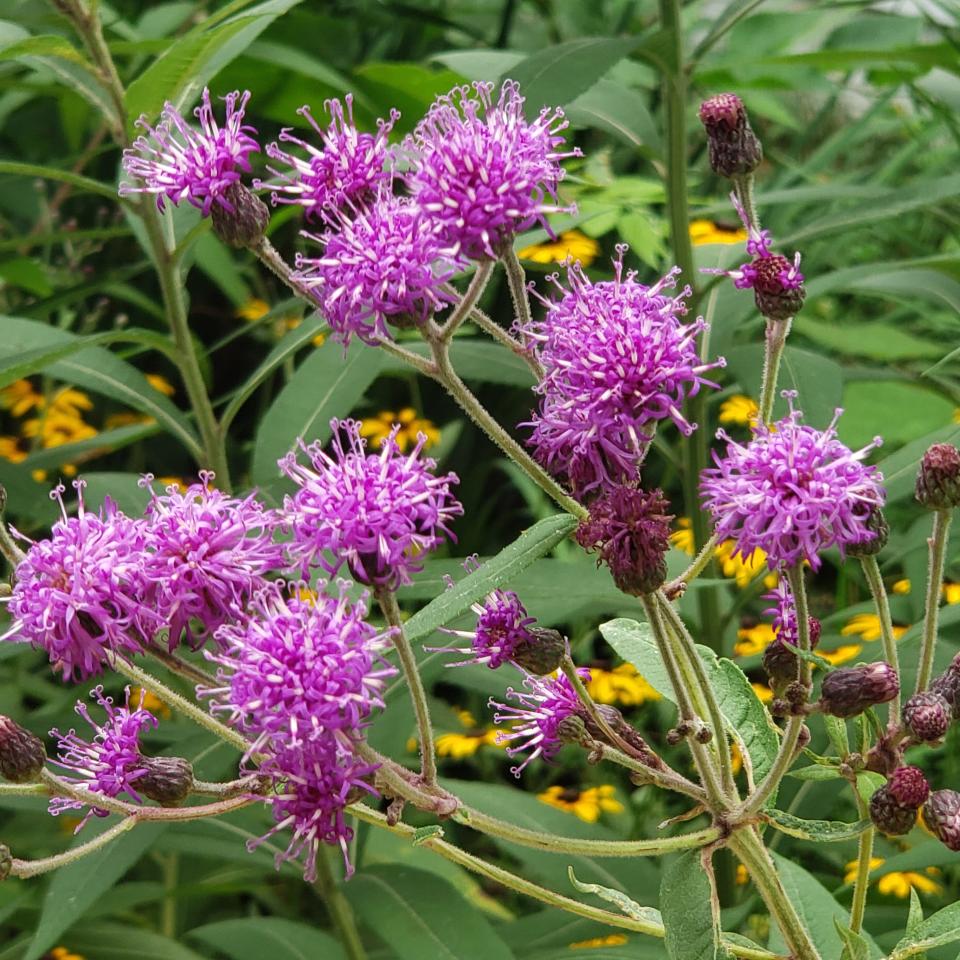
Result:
{"points": [[378, 513], [482, 171], [298, 668], [178, 162], [207, 555], [617, 361], [792, 491], [79, 595], [542, 707], [109, 764], [345, 167]]}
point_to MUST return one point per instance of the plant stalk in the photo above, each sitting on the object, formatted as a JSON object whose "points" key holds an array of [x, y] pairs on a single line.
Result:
{"points": [[341, 913], [938, 551], [777, 332], [871, 571]]}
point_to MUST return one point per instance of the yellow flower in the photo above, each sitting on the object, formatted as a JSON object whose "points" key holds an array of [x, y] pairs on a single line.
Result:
{"points": [[620, 685], [898, 883], [738, 409], [11, 450], [951, 592], [610, 940], [62, 953], [763, 692], [253, 310], [867, 627], [742, 876], [706, 231], [682, 537], [125, 418], [753, 640], [20, 398], [736, 758], [161, 383], [901, 587], [460, 745], [151, 702], [843, 654], [586, 804], [572, 244], [743, 569], [378, 428]]}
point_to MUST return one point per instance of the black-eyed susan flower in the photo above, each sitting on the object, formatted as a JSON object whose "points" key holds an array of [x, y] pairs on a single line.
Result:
{"points": [[610, 940], [572, 244], [899, 883], [682, 538], [867, 627], [739, 409], [622, 684], [586, 804], [377, 429]]}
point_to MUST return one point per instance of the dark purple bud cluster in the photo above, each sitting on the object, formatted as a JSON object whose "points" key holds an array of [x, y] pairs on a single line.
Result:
{"points": [[852, 690], [941, 814], [893, 808], [22, 753], [938, 481], [734, 148], [927, 716]]}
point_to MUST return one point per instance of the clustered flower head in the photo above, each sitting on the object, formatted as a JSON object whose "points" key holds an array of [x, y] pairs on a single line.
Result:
{"points": [[894, 806], [110, 763], [617, 360], [175, 161], [206, 554], [378, 513], [382, 263], [347, 167], [482, 171], [779, 659], [629, 528], [542, 707], [79, 594], [792, 491]]}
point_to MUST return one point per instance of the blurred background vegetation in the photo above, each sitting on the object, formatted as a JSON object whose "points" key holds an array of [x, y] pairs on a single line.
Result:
{"points": [[857, 105]]}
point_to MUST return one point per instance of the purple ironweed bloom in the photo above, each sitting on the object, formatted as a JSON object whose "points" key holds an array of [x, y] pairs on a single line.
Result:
{"points": [[298, 667], [315, 781], [617, 360], [776, 281], [349, 166], [178, 162], [206, 556], [379, 513], [79, 594], [110, 763], [792, 491], [542, 707], [482, 171], [383, 263]]}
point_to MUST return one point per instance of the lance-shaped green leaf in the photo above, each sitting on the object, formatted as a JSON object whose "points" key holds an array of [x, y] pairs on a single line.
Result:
{"points": [[936, 931], [854, 946], [691, 916], [821, 831], [620, 900]]}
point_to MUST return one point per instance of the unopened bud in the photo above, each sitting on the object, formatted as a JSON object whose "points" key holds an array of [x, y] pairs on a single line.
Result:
{"points": [[168, 780], [848, 692], [22, 753], [572, 729], [927, 715], [890, 817], [941, 814], [909, 787], [877, 524], [543, 654], [777, 291], [245, 225], [938, 481], [948, 686], [780, 664], [734, 148]]}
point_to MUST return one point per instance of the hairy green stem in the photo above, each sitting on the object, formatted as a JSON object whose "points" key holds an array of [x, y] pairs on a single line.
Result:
{"points": [[938, 550], [700, 562], [517, 282], [862, 882], [408, 663], [775, 341], [33, 868], [871, 571], [478, 283], [341, 913], [748, 846], [179, 666], [490, 326]]}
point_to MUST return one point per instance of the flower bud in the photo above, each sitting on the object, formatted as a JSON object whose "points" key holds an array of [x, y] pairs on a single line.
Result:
{"points": [[941, 814], [927, 715], [572, 729], [848, 692], [246, 224], [947, 685], [168, 780], [777, 296], [733, 146], [877, 524], [908, 787], [543, 654], [22, 753], [6, 861], [890, 817], [630, 531], [780, 664], [938, 482]]}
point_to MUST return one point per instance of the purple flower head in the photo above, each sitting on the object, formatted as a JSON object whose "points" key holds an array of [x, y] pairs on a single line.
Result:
{"points": [[482, 171], [178, 162], [776, 281], [383, 263], [315, 782], [347, 167], [207, 554], [79, 594], [792, 491], [298, 667], [110, 763], [542, 707], [617, 360], [379, 513]]}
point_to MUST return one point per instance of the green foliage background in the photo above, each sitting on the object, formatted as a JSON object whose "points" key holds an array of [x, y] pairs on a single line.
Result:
{"points": [[857, 106]]}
